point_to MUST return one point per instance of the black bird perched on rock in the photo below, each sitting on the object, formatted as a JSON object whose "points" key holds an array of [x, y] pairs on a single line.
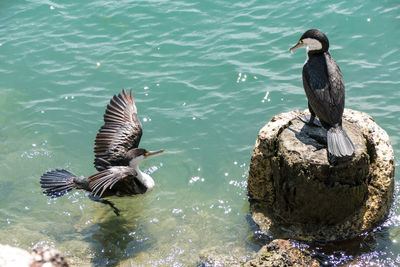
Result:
{"points": [[324, 87], [117, 157]]}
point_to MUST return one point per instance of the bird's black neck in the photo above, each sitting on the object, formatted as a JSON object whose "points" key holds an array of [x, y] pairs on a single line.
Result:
{"points": [[317, 52]]}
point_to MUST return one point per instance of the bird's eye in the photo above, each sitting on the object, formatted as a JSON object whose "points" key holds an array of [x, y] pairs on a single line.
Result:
{"points": [[300, 41], [147, 153]]}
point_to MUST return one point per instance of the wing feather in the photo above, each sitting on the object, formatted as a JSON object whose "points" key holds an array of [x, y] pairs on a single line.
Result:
{"points": [[325, 92], [105, 180], [121, 131], [337, 90]]}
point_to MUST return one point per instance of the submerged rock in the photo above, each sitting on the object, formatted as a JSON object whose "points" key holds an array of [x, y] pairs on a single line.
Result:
{"points": [[277, 253], [281, 253], [217, 257], [294, 191]]}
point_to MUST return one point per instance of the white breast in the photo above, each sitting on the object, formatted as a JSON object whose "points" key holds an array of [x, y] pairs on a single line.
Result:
{"points": [[145, 179]]}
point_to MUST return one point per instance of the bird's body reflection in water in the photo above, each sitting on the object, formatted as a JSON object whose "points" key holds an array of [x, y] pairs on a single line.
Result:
{"points": [[117, 238]]}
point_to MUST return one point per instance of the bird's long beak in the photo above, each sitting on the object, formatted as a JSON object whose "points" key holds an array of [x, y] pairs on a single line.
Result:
{"points": [[153, 153], [299, 44]]}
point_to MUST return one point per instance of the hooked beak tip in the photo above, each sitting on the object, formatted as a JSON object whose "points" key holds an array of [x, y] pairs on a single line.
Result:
{"points": [[295, 47]]}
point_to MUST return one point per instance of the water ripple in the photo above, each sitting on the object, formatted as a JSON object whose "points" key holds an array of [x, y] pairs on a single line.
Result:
{"points": [[206, 77]]}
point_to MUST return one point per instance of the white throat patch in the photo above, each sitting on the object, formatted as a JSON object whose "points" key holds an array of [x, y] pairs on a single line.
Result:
{"points": [[312, 44], [136, 161], [144, 178]]}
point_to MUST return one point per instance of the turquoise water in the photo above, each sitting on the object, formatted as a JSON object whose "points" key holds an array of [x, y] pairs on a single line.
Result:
{"points": [[206, 76]]}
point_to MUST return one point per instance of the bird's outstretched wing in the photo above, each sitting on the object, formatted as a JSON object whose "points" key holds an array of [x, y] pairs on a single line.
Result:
{"points": [[121, 131], [106, 179]]}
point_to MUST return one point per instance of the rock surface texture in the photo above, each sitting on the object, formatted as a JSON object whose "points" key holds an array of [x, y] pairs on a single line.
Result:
{"points": [[294, 191], [277, 253], [281, 253], [17, 257]]}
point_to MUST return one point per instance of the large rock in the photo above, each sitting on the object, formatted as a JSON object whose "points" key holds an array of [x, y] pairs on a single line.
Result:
{"points": [[294, 191]]}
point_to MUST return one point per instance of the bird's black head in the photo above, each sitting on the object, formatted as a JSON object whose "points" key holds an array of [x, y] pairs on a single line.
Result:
{"points": [[315, 40], [136, 152], [137, 155]]}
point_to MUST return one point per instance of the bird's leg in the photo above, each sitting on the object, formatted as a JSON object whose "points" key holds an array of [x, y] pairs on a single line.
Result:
{"points": [[311, 121], [98, 199], [312, 117]]}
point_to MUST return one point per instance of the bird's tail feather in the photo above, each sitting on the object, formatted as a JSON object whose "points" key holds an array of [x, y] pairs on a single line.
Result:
{"points": [[339, 143], [57, 182]]}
